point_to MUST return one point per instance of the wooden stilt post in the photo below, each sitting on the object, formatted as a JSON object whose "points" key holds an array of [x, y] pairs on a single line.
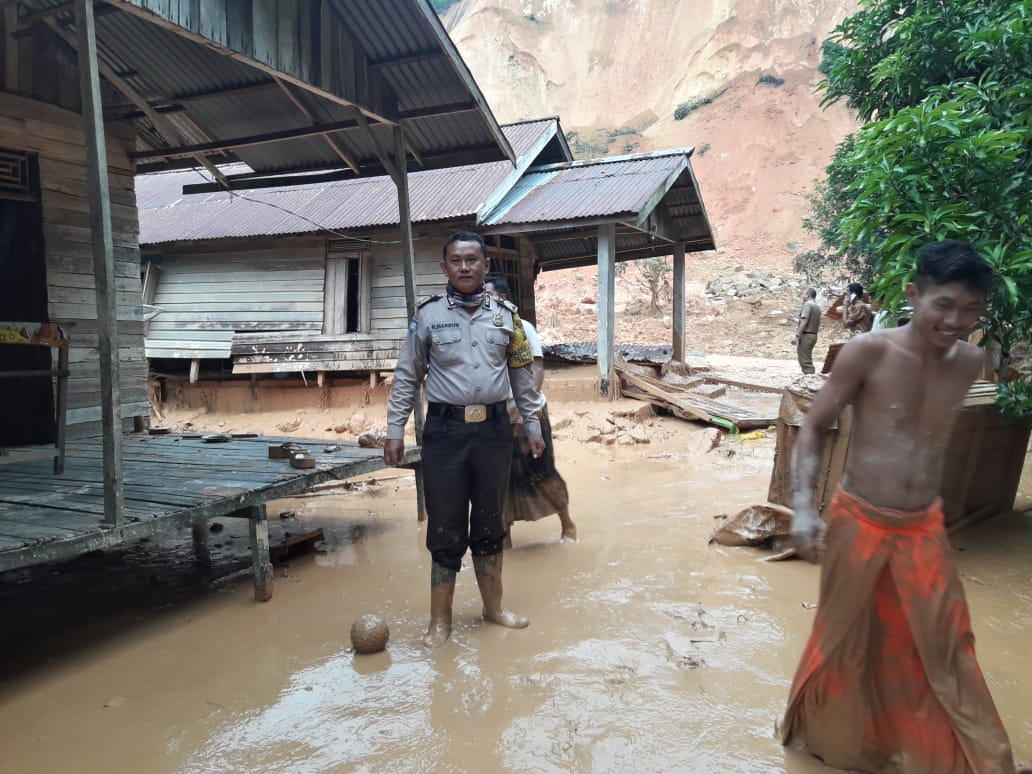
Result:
{"points": [[261, 563], [677, 315], [103, 259], [606, 304], [400, 175]]}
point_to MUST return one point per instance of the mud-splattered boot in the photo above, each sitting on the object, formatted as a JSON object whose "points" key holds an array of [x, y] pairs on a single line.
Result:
{"points": [[489, 579], [442, 591]]}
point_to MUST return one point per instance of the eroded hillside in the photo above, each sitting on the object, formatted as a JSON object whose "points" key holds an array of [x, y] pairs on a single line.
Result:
{"points": [[741, 74]]}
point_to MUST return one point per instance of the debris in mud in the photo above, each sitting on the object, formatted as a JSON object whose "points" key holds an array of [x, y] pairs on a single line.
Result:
{"points": [[766, 525], [294, 545], [372, 440]]}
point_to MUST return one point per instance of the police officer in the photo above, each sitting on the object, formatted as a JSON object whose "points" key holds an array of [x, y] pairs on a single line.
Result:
{"points": [[472, 351]]}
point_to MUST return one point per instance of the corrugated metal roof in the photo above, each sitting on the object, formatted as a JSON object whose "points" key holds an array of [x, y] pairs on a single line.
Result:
{"points": [[571, 192], [392, 50], [167, 215], [560, 206]]}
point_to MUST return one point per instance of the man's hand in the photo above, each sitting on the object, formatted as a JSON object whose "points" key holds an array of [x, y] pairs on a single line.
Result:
{"points": [[393, 452], [807, 533], [537, 445]]}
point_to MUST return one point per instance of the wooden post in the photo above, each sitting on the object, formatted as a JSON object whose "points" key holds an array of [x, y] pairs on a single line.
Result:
{"points": [[195, 370], [606, 304], [261, 563], [103, 260], [677, 313], [11, 48], [408, 259]]}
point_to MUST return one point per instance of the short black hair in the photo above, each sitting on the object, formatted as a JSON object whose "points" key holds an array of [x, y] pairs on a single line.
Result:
{"points": [[951, 260], [463, 236], [811, 292], [501, 286], [856, 288]]}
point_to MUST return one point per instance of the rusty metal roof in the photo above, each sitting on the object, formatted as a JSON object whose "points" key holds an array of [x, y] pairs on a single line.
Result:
{"points": [[653, 198], [239, 82], [168, 215]]}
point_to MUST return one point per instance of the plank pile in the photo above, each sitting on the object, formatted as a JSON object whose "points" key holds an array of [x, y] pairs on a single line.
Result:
{"points": [[691, 400]]}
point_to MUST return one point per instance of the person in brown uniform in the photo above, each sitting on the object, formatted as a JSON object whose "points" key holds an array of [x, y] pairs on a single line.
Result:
{"points": [[888, 680], [471, 350], [806, 332]]}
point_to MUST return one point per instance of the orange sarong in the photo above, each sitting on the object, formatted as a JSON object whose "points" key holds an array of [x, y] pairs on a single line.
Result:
{"points": [[888, 680]]}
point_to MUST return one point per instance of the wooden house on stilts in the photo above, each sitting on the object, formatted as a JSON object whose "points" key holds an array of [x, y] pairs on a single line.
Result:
{"points": [[92, 94]]}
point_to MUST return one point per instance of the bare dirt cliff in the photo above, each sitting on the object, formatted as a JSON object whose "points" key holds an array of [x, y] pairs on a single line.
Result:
{"points": [[740, 73]]}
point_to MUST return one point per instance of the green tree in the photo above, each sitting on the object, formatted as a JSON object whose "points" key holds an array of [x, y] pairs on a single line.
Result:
{"points": [[944, 91]]}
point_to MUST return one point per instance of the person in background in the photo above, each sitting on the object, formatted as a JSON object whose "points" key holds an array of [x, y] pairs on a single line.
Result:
{"points": [[888, 680], [805, 337], [473, 354], [536, 489], [857, 315]]}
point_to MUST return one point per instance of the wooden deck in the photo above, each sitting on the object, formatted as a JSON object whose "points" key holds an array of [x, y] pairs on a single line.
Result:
{"points": [[170, 481]]}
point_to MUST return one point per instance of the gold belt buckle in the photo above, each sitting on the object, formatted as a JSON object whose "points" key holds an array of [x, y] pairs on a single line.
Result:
{"points": [[476, 413]]}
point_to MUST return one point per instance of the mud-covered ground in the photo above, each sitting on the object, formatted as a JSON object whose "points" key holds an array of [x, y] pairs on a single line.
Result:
{"points": [[648, 649]]}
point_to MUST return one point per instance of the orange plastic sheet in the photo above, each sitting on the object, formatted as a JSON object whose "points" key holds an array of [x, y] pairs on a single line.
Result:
{"points": [[888, 680]]}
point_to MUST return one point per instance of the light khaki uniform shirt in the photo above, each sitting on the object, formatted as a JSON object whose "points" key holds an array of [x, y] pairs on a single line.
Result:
{"points": [[464, 358]]}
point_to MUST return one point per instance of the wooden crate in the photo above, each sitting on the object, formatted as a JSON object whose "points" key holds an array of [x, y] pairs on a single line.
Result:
{"points": [[981, 473], [794, 405]]}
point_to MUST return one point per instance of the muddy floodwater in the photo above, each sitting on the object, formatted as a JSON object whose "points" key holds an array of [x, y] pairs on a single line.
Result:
{"points": [[648, 649]]}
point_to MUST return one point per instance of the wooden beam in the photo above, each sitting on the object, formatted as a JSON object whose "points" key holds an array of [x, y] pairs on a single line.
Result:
{"points": [[30, 21], [606, 304], [677, 302], [161, 123], [261, 562], [299, 103], [408, 261], [451, 109], [176, 104], [414, 58], [10, 49], [483, 153], [103, 260], [250, 140], [396, 172]]}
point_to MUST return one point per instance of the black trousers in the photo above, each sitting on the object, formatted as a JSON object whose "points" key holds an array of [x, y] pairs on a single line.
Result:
{"points": [[465, 477]]}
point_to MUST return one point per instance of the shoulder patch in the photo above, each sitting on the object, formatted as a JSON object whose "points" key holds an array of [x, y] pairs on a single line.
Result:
{"points": [[508, 305], [426, 301]]}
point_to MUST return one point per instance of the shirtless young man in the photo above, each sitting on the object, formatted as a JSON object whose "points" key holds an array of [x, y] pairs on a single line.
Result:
{"points": [[889, 679]]}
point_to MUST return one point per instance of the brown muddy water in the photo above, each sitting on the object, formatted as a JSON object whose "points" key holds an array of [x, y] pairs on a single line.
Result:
{"points": [[647, 649]]}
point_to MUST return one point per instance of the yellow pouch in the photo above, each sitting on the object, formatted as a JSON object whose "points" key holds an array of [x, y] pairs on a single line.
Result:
{"points": [[519, 351]]}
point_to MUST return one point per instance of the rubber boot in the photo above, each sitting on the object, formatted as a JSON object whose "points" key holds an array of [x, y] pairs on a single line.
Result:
{"points": [[489, 579], [442, 591]]}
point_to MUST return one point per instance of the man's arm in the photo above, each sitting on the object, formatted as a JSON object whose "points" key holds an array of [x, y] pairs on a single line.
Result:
{"points": [[528, 398], [408, 376], [801, 327], [846, 378], [538, 369]]}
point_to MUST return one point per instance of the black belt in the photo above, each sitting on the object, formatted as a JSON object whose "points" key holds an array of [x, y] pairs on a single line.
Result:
{"points": [[477, 412], [809, 333]]}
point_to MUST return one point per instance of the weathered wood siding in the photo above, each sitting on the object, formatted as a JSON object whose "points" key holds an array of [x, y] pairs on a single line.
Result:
{"points": [[202, 299], [56, 135], [264, 303]]}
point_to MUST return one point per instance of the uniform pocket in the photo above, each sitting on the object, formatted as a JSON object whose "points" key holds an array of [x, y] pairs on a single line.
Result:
{"points": [[447, 345], [496, 346]]}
